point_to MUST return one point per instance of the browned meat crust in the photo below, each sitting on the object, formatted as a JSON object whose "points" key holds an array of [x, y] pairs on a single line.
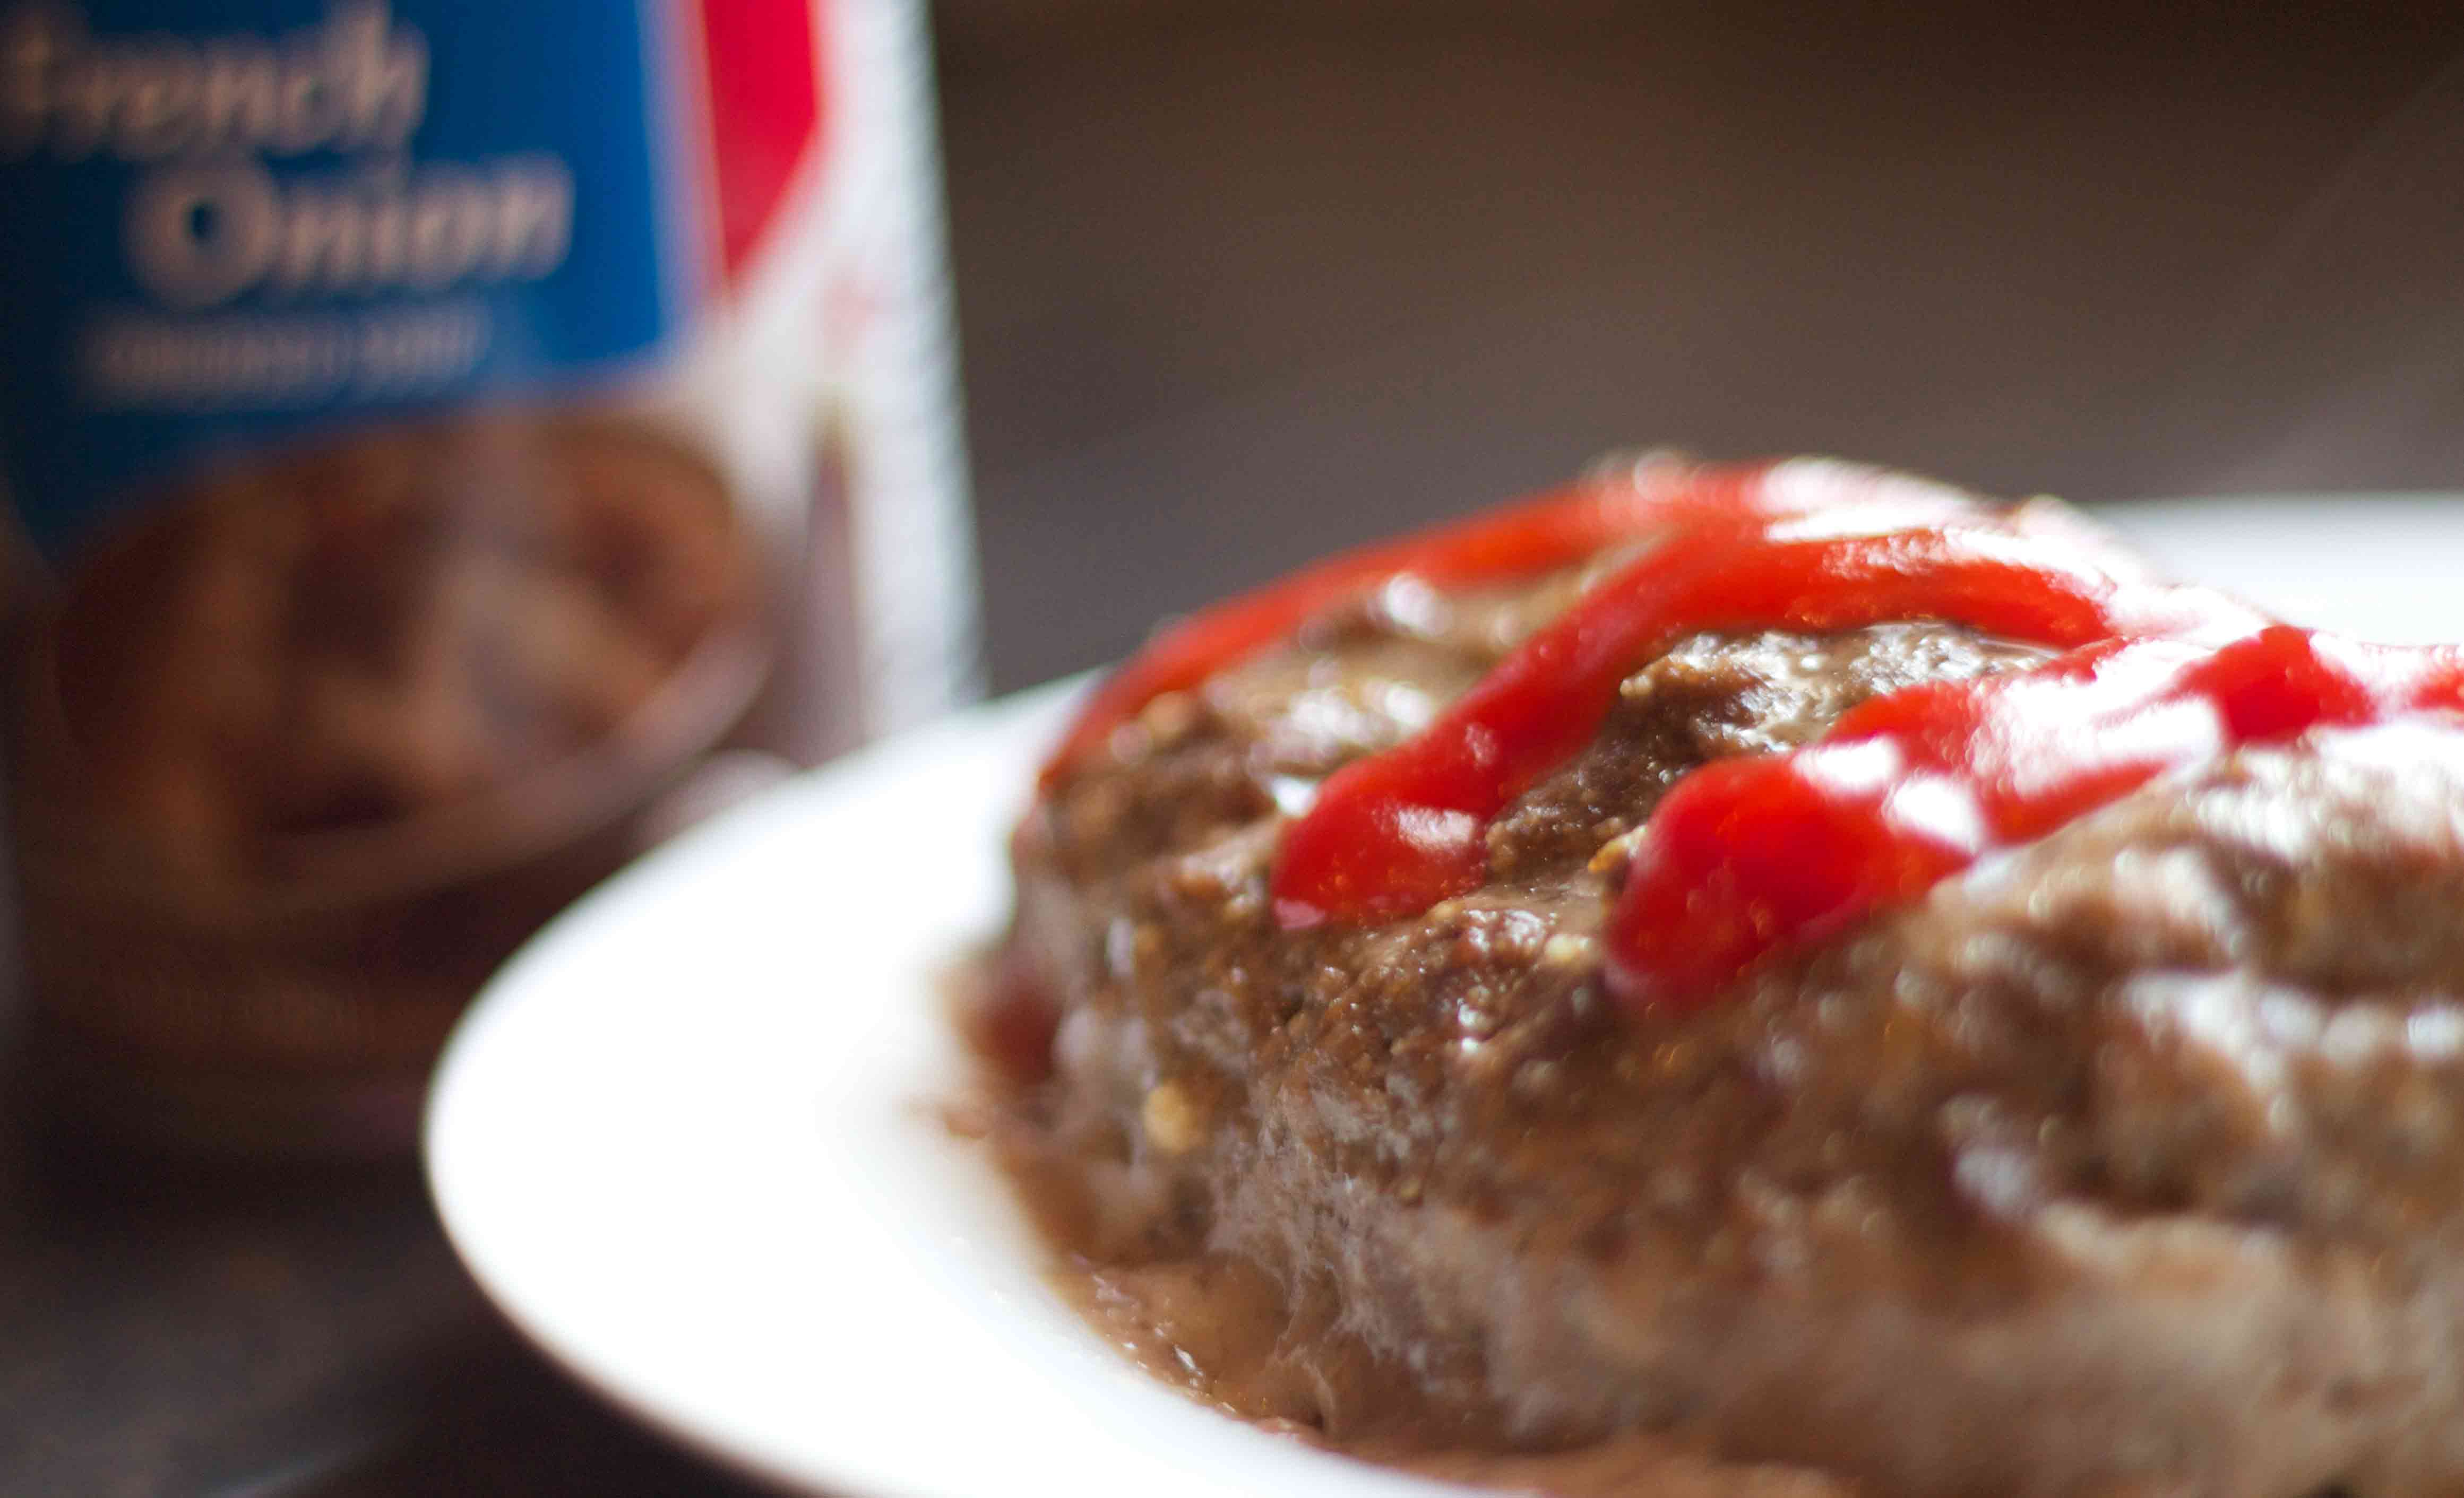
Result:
{"points": [[2125, 1164]]}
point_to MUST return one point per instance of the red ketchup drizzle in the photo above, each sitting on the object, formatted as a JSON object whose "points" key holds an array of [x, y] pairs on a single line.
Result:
{"points": [[1391, 834], [1745, 858], [1750, 856], [1550, 530]]}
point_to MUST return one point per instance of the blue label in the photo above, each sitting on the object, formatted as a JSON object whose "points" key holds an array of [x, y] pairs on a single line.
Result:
{"points": [[225, 223]]}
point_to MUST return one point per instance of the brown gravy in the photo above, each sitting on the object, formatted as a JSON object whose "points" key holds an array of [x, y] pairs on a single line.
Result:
{"points": [[1223, 1332]]}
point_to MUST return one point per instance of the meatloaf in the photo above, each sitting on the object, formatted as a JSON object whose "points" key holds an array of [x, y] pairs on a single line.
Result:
{"points": [[2124, 1159]]}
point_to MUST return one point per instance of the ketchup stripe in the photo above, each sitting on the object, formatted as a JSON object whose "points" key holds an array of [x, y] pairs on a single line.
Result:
{"points": [[2029, 752], [1552, 529], [1391, 834], [1743, 858]]}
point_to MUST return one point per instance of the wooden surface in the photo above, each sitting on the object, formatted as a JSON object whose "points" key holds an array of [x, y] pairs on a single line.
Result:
{"points": [[1238, 284], [261, 1334]]}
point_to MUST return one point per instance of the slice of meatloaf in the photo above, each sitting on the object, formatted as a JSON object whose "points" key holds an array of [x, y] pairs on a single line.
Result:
{"points": [[2128, 1162]]}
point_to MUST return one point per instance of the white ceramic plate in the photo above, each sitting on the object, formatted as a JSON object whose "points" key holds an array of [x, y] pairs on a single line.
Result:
{"points": [[685, 1140]]}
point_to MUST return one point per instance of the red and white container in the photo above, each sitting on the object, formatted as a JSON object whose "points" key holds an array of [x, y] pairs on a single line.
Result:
{"points": [[451, 445]]}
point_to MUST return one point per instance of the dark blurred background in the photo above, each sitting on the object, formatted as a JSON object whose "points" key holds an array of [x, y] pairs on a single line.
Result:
{"points": [[1240, 282]]}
